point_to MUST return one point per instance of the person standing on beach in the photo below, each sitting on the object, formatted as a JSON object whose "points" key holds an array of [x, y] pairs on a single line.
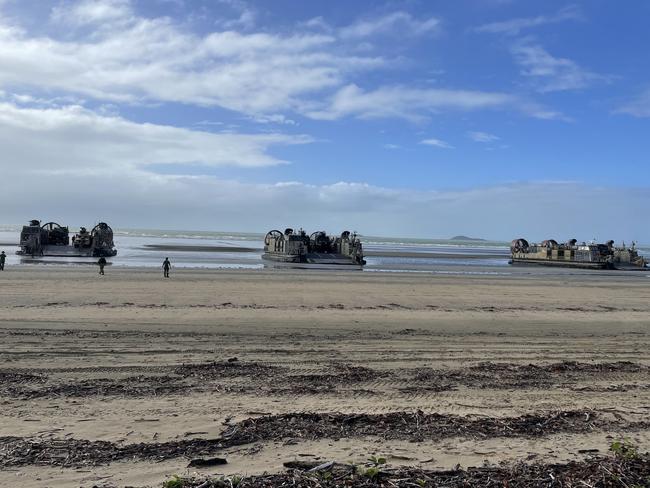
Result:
{"points": [[166, 265], [3, 257], [101, 263]]}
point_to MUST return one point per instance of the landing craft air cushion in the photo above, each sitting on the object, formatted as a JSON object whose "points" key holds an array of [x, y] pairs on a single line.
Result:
{"points": [[315, 251], [51, 239], [574, 255]]}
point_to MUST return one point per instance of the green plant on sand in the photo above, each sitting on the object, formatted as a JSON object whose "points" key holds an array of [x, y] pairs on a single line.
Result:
{"points": [[624, 449], [174, 482]]}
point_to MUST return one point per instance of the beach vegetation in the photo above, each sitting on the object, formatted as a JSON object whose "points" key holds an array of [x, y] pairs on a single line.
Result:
{"points": [[233, 481], [325, 475], [624, 449], [174, 482], [376, 461], [372, 472]]}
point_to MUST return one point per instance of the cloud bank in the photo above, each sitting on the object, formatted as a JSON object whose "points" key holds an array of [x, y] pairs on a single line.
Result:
{"points": [[109, 53], [72, 164], [72, 139], [208, 203]]}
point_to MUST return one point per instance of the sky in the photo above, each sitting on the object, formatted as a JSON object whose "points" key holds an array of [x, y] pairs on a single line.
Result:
{"points": [[489, 118]]}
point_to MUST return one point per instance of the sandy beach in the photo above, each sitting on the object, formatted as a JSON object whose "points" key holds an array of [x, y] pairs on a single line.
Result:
{"points": [[518, 368]]}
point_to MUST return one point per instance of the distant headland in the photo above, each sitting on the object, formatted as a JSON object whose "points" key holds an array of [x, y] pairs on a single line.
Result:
{"points": [[465, 238]]}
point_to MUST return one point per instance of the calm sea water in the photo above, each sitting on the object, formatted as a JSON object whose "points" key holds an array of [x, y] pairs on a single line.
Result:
{"points": [[133, 251]]}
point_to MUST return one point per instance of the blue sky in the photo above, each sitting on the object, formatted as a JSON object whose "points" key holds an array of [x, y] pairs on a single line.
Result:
{"points": [[494, 118]]}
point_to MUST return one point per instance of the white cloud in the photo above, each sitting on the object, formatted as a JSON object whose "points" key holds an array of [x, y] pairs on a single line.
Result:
{"points": [[72, 140], [126, 58], [317, 23], [436, 143], [402, 23], [515, 26], [415, 103], [246, 20], [273, 119], [93, 12], [478, 136], [550, 73], [638, 107], [144, 60], [247, 15], [391, 146]]}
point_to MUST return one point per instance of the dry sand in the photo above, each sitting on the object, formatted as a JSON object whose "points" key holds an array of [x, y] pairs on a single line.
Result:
{"points": [[100, 358]]}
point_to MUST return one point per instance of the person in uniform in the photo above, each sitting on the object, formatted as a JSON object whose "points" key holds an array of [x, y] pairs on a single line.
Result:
{"points": [[3, 257], [101, 263], [166, 265]]}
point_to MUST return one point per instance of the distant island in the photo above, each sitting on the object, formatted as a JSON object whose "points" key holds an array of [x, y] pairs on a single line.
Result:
{"points": [[465, 238]]}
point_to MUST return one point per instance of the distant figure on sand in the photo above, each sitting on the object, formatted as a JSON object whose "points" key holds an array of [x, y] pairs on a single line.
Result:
{"points": [[101, 263], [3, 257], [166, 266]]}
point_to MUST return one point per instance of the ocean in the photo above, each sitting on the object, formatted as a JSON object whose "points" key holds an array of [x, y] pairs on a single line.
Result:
{"points": [[210, 250]]}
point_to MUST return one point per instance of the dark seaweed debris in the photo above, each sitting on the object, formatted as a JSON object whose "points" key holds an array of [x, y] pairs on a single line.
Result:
{"points": [[224, 369], [133, 386], [418, 426], [413, 426], [335, 378], [339, 375], [508, 375], [12, 377], [18, 451], [597, 472]]}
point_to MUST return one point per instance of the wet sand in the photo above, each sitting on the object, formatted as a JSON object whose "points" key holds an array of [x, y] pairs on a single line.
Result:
{"points": [[374, 253], [188, 248], [439, 255], [132, 358]]}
